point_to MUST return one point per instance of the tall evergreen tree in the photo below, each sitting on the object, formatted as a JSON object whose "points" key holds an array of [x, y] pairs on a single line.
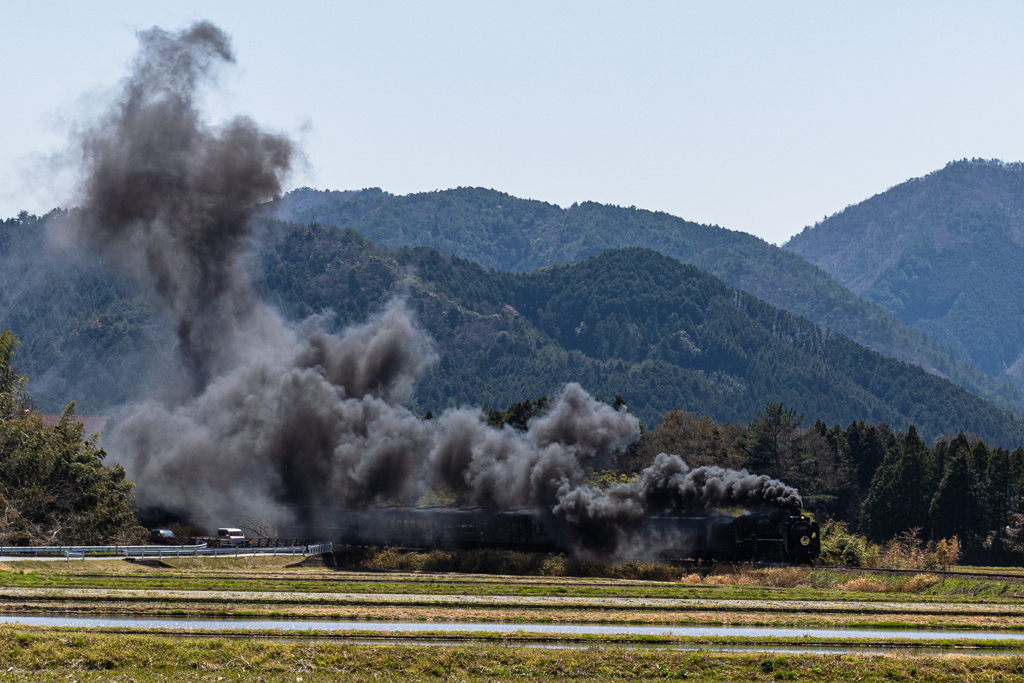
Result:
{"points": [[940, 457], [769, 437], [867, 445], [1017, 473], [1001, 492], [957, 507], [899, 496]]}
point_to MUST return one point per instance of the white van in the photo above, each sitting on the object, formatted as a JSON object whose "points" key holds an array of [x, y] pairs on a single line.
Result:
{"points": [[230, 536]]}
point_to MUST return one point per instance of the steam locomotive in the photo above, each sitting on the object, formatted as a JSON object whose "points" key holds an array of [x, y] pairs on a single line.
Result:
{"points": [[771, 535]]}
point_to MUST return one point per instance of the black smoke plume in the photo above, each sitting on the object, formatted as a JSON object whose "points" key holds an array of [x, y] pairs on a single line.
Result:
{"points": [[604, 519], [277, 414], [170, 196]]}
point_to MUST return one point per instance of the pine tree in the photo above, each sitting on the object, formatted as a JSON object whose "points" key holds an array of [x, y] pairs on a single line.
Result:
{"points": [[1000, 494], [768, 438], [867, 445], [957, 507], [899, 496]]}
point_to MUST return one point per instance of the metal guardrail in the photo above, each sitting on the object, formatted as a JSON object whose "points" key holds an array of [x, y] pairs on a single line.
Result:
{"points": [[320, 549], [161, 551], [122, 550]]}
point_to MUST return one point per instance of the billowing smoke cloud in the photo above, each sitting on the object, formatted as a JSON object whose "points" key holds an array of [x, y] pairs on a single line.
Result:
{"points": [[169, 196], [278, 414], [601, 519]]}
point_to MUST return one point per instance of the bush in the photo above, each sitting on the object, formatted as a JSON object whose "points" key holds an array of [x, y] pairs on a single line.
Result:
{"points": [[840, 547], [907, 551]]}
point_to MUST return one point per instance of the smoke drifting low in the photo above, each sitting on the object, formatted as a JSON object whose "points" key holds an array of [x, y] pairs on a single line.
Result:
{"points": [[603, 519], [275, 414]]}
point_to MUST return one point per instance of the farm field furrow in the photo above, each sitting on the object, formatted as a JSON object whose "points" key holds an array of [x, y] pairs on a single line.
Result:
{"points": [[497, 601], [265, 589], [808, 585]]}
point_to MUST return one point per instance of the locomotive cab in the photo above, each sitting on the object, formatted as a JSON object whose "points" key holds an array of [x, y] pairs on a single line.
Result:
{"points": [[779, 535]]}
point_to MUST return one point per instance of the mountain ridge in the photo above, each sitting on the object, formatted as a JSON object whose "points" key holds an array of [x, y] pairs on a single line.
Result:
{"points": [[506, 233], [663, 334], [634, 322], [942, 253]]}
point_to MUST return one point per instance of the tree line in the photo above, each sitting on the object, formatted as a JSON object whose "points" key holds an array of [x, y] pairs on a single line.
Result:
{"points": [[888, 486], [55, 486]]}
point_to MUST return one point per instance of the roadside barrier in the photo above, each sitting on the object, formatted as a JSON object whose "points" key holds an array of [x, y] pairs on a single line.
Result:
{"points": [[115, 550], [79, 552]]}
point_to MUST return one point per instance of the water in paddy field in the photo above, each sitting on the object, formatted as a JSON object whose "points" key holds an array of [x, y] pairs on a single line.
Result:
{"points": [[478, 627]]}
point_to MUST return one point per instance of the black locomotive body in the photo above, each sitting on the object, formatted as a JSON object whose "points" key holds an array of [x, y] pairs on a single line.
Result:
{"points": [[771, 535]]}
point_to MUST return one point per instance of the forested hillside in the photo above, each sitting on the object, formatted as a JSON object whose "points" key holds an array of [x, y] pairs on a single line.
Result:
{"points": [[506, 233], [944, 254], [86, 334], [631, 322]]}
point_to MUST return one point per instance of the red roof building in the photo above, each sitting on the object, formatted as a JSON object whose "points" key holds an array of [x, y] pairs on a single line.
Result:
{"points": [[93, 424]]}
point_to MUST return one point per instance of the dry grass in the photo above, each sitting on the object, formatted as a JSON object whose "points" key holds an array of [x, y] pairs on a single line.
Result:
{"points": [[916, 583]]}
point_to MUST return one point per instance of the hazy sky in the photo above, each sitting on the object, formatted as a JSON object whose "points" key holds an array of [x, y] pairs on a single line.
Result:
{"points": [[757, 116]]}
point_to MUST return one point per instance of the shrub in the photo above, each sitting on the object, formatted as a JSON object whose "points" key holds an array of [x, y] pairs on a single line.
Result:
{"points": [[840, 547], [904, 551]]}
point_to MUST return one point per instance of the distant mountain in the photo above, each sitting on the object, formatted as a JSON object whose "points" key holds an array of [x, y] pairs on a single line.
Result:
{"points": [[506, 233], [629, 322], [944, 253]]}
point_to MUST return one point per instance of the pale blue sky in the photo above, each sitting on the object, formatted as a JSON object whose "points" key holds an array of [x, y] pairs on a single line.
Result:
{"points": [[757, 116]]}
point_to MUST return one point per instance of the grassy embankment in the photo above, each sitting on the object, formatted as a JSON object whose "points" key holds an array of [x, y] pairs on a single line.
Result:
{"points": [[55, 655]]}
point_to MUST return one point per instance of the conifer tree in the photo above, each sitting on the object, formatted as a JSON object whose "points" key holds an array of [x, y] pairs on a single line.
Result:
{"points": [[1001, 492], [867, 445], [957, 507], [899, 496], [769, 437]]}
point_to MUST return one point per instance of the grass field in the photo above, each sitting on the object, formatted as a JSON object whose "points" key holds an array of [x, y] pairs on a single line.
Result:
{"points": [[52, 655], [268, 587]]}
